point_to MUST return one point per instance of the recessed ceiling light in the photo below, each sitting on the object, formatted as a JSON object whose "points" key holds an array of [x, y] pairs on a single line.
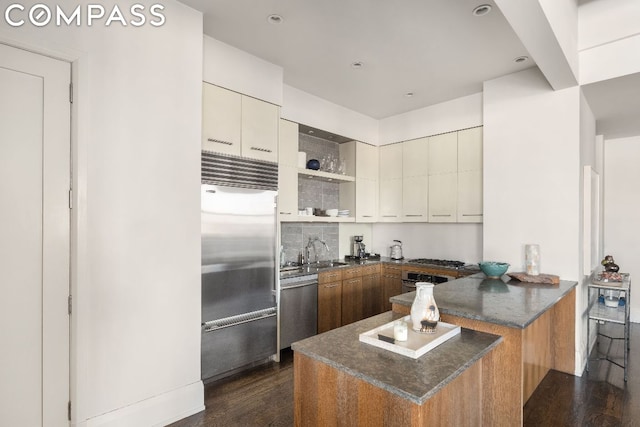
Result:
{"points": [[482, 10], [357, 64], [521, 59], [310, 131], [275, 19], [408, 94]]}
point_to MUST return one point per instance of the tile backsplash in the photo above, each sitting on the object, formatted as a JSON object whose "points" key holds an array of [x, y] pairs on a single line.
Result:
{"points": [[295, 236]]}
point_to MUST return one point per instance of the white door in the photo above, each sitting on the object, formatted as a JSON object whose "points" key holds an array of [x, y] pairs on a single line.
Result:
{"points": [[34, 242]]}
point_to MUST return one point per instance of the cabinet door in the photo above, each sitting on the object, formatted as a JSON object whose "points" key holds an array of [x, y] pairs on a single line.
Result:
{"points": [[351, 300], [470, 196], [470, 149], [390, 160], [259, 129], [366, 161], [329, 306], [443, 153], [366, 200], [391, 286], [371, 295], [415, 157], [390, 209], [287, 193], [415, 200], [288, 143], [221, 120], [443, 197]]}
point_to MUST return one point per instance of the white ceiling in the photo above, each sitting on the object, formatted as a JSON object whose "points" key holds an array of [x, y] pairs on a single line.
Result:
{"points": [[436, 49]]}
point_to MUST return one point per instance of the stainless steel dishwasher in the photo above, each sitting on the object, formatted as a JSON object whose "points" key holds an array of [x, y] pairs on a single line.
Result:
{"points": [[298, 308]]}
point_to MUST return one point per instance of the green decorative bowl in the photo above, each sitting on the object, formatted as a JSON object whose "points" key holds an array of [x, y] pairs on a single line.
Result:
{"points": [[493, 269]]}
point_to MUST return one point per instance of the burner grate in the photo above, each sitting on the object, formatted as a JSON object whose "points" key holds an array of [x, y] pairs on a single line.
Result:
{"points": [[438, 262]]}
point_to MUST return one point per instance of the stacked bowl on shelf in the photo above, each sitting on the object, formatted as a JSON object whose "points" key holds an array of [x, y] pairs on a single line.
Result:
{"points": [[343, 213]]}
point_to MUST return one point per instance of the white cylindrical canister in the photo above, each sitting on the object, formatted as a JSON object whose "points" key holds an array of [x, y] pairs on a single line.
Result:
{"points": [[532, 259]]}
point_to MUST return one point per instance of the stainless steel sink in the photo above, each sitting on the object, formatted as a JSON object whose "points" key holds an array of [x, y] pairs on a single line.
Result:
{"points": [[325, 264]]}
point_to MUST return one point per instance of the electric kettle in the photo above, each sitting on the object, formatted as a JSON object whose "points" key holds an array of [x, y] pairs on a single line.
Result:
{"points": [[396, 250]]}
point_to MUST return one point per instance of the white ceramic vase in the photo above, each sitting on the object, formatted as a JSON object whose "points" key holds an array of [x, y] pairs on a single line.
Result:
{"points": [[424, 310]]}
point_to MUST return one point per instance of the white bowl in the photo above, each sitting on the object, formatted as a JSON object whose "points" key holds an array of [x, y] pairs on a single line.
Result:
{"points": [[332, 212]]}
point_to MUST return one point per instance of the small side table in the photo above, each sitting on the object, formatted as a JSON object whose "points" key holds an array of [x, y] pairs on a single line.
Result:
{"points": [[601, 314]]}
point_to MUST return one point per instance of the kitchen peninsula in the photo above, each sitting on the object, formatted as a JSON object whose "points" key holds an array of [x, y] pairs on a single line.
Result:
{"points": [[536, 322], [338, 378], [512, 334]]}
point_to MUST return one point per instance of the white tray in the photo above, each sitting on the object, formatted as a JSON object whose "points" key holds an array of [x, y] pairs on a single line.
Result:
{"points": [[417, 343]]}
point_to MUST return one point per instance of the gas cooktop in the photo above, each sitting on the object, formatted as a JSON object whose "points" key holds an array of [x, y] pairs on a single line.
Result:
{"points": [[437, 262]]}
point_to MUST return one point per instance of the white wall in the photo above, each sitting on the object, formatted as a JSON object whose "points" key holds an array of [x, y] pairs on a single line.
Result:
{"points": [[237, 70], [621, 207], [531, 172], [136, 247], [459, 113], [461, 242], [606, 21]]}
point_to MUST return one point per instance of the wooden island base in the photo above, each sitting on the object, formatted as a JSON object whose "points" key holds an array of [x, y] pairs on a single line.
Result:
{"points": [[516, 367], [326, 396]]}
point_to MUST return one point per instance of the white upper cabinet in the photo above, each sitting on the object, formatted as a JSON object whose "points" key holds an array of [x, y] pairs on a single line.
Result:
{"points": [[443, 153], [470, 192], [470, 149], [361, 196], [443, 177], [390, 203], [287, 171], [415, 179], [221, 120], [259, 129], [239, 125]]}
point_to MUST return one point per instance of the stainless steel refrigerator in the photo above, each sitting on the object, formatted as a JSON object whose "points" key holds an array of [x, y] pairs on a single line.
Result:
{"points": [[239, 323]]}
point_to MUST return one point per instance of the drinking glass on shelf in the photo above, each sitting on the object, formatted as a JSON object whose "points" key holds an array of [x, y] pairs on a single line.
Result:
{"points": [[342, 168]]}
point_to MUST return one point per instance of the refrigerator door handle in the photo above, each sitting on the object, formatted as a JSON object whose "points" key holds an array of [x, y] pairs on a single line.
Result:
{"points": [[216, 325]]}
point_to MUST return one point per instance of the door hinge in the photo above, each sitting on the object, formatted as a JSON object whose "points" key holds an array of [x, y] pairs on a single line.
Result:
{"points": [[69, 411], [69, 304], [70, 198], [71, 93]]}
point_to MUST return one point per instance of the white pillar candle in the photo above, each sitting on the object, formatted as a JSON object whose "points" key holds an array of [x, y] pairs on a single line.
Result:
{"points": [[400, 330]]}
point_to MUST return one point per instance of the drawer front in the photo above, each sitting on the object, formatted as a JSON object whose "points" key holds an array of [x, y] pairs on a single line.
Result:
{"points": [[368, 270], [330, 276], [350, 273], [392, 270]]}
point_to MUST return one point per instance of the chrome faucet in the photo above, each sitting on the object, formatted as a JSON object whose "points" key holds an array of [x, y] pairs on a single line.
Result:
{"points": [[311, 244]]}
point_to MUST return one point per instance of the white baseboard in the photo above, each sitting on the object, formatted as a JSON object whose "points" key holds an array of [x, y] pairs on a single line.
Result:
{"points": [[156, 411]]}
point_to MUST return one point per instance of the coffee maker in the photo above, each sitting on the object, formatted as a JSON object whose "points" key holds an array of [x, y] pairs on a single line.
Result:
{"points": [[357, 247]]}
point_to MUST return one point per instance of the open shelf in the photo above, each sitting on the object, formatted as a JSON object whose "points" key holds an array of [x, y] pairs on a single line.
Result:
{"points": [[324, 176], [310, 218]]}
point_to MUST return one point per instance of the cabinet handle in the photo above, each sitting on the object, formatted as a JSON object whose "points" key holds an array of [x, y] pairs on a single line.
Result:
{"points": [[330, 286], [471, 214], [440, 215], [266, 150], [219, 141], [367, 216], [412, 215], [389, 216], [285, 213]]}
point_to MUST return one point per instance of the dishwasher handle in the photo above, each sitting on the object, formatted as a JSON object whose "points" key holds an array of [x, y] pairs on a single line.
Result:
{"points": [[299, 285]]}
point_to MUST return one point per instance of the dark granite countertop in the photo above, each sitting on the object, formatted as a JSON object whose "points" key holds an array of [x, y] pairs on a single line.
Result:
{"points": [[414, 379], [501, 301], [325, 266]]}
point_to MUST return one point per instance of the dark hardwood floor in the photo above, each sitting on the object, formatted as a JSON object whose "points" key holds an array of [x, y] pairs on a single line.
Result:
{"points": [[263, 396]]}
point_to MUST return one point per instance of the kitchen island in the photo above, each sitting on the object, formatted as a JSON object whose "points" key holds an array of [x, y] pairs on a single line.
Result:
{"points": [[536, 322], [339, 380]]}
